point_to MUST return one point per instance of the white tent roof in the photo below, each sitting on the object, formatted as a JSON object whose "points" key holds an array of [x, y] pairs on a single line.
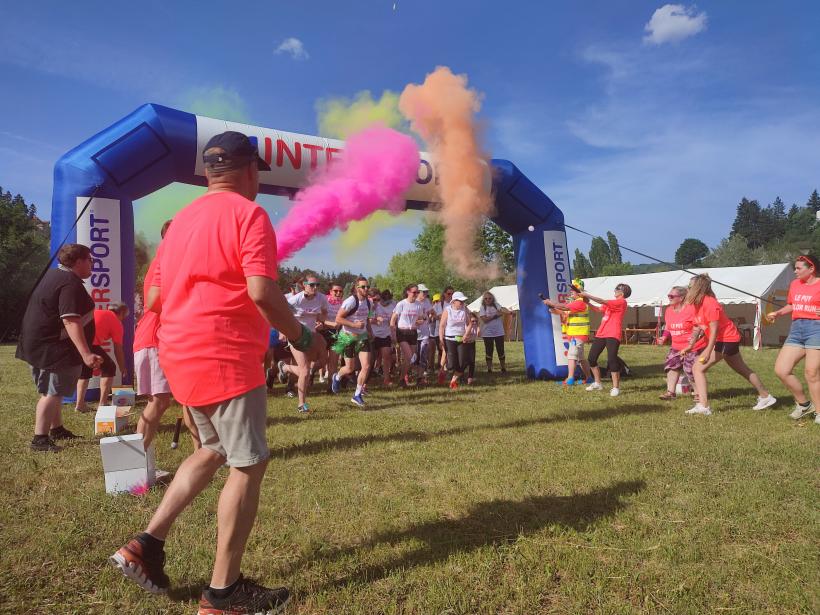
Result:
{"points": [[506, 296], [652, 288]]}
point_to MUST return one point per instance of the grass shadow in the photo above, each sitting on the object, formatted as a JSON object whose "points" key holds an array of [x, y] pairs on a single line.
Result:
{"points": [[187, 593], [490, 523]]}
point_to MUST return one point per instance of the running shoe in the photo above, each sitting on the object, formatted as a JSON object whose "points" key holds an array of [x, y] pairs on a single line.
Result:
{"points": [[248, 597], [270, 379], [44, 444], [569, 382], [765, 402], [595, 386], [668, 396], [800, 410], [61, 433], [614, 392], [442, 375], [817, 419], [453, 385], [142, 565], [699, 409], [470, 381], [358, 400], [283, 375], [335, 385], [303, 409]]}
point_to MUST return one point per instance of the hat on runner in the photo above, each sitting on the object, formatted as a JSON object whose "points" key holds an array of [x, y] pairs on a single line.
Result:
{"points": [[437, 297], [238, 150], [423, 288], [459, 296]]}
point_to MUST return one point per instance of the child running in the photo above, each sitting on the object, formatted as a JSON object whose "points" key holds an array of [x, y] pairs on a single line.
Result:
{"points": [[722, 342], [407, 316]]}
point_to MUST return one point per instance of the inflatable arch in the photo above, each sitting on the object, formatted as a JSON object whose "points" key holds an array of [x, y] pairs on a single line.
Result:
{"points": [[155, 146]]}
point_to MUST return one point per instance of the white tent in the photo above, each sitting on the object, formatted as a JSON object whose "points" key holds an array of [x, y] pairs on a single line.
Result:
{"points": [[746, 292]]}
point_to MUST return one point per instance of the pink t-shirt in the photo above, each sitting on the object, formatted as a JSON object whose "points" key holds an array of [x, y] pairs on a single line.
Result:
{"points": [[145, 335], [108, 327], [804, 299], [679, 326], [613, 318], [710, 310], [212, 338]]}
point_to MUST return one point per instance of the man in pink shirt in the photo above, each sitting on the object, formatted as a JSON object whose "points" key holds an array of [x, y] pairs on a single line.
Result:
{"points": [[214, 288]]}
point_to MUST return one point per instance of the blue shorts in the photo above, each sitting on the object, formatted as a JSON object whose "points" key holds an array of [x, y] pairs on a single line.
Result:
{"points": [[805, 333]]}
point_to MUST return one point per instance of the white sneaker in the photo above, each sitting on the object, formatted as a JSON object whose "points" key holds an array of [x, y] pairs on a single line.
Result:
{"points": [[800, 411], [614, 392], [698, 409], [817, 418], [595, 386], [765, 402]]}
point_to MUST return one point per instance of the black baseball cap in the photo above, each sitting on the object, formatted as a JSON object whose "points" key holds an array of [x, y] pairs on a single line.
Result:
{"points": [[238, 149]]}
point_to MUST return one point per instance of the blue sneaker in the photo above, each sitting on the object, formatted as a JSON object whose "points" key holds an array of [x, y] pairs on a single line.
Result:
{"points": [[569, 381], [335, 385], [358, 400], [303, 409]]}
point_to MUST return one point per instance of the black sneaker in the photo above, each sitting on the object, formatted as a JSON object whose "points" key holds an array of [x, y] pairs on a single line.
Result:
{"points": [[248, 597], [61, 433], [142, 565], [44, 444]]}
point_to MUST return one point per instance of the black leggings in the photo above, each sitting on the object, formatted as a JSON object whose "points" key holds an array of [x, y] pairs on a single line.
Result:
{"points": [[461, 357], [499, 347], [611, 344]]}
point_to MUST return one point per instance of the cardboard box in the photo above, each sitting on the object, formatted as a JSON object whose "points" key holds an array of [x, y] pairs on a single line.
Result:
{"points": [[121, 396], [126, 463], [111, 419]]}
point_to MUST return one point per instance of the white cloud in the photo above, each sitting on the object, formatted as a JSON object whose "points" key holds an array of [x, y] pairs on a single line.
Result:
{"points": [[672, 23], [293, 47]]}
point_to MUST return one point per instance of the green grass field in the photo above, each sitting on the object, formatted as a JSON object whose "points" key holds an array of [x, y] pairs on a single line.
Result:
{"points": [[509, 497]]}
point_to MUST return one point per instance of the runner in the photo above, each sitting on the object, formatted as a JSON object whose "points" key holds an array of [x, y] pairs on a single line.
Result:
{"points": [[679, 327], [329, 329], [468, 342], [492, 331], [407, 316], [383, 340], [444, 301], [353, 340], [310, 308], [108, 326], [803, 341], [608, 335], [453, 328], [427, 347], [722, 342]]}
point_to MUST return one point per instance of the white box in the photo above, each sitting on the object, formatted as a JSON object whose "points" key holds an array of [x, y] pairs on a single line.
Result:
{"points": [[126, 463], [111, 419], [121, 396]]}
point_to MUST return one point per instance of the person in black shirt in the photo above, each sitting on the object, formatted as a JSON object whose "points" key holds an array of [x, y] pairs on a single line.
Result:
{"points": [[55, 340]]}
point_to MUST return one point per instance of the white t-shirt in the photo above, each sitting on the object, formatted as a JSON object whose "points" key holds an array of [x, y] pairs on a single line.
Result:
{"points": [[425, 329], [359, 314], [456, 321], [494, 328], [382, 312], [408, 314], [307, 309], [332, 309]]}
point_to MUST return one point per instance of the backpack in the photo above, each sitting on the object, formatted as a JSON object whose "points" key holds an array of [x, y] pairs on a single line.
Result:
{"points": [[356, 307]]}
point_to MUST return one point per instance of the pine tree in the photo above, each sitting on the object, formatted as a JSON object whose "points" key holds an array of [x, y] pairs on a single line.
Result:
{"points": [[814, 202], [615, 257], [599, 254], [747, 223], [581, 267]]}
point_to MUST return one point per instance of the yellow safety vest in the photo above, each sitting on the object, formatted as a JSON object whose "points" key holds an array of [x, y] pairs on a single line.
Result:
{"points": [[578, 323]]}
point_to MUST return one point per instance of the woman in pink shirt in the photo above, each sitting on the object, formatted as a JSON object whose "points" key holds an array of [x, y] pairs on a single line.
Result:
{"points": [[608, 336], [804, 337], [679, 327]]}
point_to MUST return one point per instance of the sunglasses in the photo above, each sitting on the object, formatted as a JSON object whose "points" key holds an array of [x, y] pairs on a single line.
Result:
{"points": [[311, 283], [412, 292], [672, 296], [362, 287], [336, 291]]}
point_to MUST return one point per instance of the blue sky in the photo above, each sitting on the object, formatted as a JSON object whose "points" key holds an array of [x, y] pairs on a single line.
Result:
{"points": [[638, 117]]}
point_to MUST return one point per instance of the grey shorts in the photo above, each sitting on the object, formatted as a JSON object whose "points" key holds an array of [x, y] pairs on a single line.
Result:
{"points": [[57, 382], [576, 350], [235, 428]]}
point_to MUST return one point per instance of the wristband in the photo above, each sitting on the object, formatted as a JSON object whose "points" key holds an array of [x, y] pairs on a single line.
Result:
{"points": [[304, 341]]}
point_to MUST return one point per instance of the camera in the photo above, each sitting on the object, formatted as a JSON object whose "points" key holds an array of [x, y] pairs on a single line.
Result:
{"points": [[541, 296]]}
